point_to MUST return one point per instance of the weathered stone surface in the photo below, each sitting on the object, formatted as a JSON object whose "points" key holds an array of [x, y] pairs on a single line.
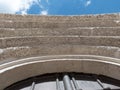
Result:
{"points": [[69, 65], [59, 24], [47, 44], [17, 21], [80, 31], [5, 17], [57, 40], [14, 53]]}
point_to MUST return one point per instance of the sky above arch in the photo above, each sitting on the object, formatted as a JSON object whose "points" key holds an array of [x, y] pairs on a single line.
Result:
{"points": [[59, 7]]}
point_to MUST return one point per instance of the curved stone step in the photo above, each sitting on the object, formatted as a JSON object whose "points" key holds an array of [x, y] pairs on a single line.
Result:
{"points": [[60, 24], [34, 67], [80, 31], [62, 57], [29, 21], [11, 17], [57, 40], [14, 53]]}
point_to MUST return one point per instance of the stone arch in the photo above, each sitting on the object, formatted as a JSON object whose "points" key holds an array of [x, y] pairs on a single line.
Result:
{"points": [[22, 69]]}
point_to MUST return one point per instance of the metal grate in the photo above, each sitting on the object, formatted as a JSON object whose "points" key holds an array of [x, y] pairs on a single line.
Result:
{"points": [[67, 81]]}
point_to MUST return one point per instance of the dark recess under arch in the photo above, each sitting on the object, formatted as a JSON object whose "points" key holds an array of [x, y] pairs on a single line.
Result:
{"points": [[67, 81]]}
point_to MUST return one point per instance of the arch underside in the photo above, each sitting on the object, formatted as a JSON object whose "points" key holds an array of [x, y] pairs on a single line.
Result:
{"points": [[56, 64], [67, 81]]}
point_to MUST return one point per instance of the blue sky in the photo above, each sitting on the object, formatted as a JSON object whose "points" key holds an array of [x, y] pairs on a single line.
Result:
{"points": [[59, 7]]}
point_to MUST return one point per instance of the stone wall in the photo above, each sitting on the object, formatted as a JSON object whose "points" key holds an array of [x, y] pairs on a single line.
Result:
{"points": [[34, 45]]}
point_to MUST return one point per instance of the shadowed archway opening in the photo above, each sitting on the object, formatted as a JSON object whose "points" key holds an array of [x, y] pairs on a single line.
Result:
{"points": [[67, 81]]}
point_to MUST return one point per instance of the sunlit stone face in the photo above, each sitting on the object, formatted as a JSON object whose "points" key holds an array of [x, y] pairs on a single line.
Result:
{"points": [[37, 45]]}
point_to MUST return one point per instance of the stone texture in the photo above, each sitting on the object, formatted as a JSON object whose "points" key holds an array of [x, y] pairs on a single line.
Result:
{"points": [[38, 68], [34, 45], [14, 53], [78, 31], [5, 17], [58, 24], [57, 40]]}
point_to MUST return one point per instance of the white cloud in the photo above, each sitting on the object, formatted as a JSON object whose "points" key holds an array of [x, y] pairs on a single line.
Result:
{"points": [[44, 12], [24, 12], [38, 2], [13, 6], [88, 3]]}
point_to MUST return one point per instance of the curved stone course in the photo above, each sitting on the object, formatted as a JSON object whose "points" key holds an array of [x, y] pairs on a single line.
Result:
{"points": [[35, 68], [5, 17], [35, 45], [43, 50], [59, 24], [57, 40], [80, 31]]}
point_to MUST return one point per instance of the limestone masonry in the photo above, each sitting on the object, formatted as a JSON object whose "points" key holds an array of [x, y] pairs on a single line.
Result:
{"points": [[47, 44]]}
